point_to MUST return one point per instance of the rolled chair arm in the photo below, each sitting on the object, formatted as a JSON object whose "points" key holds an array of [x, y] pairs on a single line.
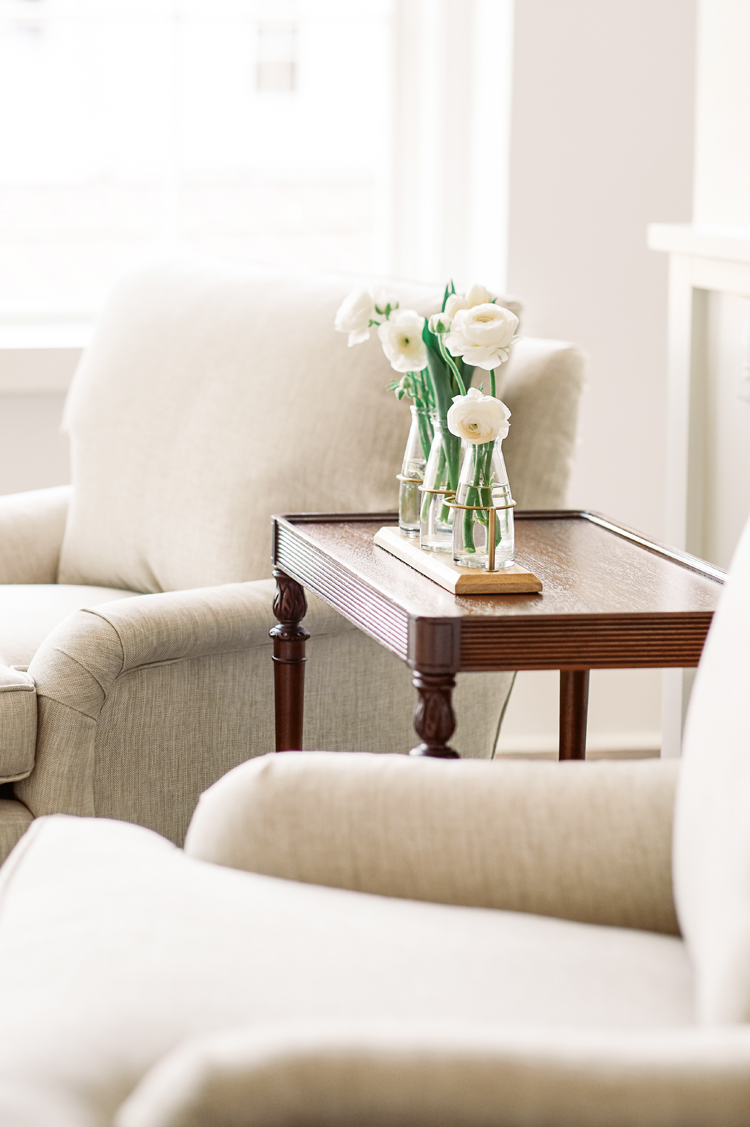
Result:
{"points": [[31, 533], [95, 654], [394, 1073], [580, 841], [17, 724]]}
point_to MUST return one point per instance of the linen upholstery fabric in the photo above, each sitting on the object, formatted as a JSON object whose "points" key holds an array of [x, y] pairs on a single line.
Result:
{"points": [[388, 1074], [18, 727], [541, 384], [116, 947], [30, 611], [144, 702], [15, 819], [209, 399], [712, 828], [581, 841], [31, 533]]}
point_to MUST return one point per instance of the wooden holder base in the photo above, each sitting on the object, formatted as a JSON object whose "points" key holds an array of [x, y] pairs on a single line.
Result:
{"points": [[440, 568]]}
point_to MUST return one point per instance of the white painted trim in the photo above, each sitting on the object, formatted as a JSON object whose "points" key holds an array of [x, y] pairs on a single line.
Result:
{"points": [[37, 371], [32, 338], [702, 259], [701, 241]]}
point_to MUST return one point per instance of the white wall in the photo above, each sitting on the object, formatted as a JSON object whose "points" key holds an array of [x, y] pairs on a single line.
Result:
{"points": [[602, 144], [33, 381], [33, 453]]}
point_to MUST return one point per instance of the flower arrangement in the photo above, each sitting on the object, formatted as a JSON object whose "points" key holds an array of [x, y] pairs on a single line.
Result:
{"points": [[435, 360]]}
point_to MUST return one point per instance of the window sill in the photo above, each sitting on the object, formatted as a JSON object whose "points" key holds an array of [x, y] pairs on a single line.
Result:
{"points": [[40, 359]]}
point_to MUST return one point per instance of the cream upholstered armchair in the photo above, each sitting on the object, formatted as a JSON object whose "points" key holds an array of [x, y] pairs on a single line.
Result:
{"points": [[386, 941], [139, 599]]}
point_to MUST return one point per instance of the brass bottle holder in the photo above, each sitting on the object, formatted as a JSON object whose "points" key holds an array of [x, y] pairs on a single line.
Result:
{"points": [[491, 511], [446, 492]]}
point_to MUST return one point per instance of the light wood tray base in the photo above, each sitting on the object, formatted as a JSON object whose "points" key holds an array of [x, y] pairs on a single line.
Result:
{"points": [[440, 568]]}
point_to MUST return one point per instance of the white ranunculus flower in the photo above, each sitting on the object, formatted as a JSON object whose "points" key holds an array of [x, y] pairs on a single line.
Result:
{"points": [[482, 335], [401, 338], [478, 418], [357, 311], [475, 295], [439, 323]]}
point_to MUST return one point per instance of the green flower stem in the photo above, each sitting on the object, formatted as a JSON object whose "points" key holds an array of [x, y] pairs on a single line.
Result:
{"points": [[429, 398], [488, 479], [442, 382], [471, 494], [428, 498], [425, 431], [451, 365], [492, 382], [480, 493]]}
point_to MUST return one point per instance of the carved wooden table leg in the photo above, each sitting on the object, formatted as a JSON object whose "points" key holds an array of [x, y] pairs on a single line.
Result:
{"points": [[434, 718], [289, 637], [574, 703]]}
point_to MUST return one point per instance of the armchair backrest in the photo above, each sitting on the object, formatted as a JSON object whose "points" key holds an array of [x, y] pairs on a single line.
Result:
{"points": [[209, 398], [712, 812], [213, 396], [541, 384]]}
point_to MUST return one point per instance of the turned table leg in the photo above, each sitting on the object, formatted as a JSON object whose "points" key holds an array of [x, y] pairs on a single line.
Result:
{"points": [[289, 637], [574, 703], [434, 718]]}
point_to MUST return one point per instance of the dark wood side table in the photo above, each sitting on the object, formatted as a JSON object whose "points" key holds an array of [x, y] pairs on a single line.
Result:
{"points": [[612, 599]]}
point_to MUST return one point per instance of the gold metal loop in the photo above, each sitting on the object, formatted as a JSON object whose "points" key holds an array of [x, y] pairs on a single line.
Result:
{"points": [[416, 480], [480, 508], [446, 492]]}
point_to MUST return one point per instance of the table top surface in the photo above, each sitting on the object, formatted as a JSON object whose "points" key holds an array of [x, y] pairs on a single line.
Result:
{"points": [[599, 581], [587, 565]]}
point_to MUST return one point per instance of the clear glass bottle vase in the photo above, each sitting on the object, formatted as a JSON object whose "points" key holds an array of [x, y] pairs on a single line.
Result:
{"points": [[483, 501], [413, 469], [440, 483]]}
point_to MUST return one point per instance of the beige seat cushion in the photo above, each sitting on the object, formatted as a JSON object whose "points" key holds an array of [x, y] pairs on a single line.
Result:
{"points": [[30, 611], [116, 947]]}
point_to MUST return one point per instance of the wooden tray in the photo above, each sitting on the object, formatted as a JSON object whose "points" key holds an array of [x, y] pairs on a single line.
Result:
{"points": [[440, 568]]}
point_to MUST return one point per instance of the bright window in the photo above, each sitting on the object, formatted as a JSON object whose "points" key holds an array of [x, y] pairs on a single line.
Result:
{"points": [[257, 130]]}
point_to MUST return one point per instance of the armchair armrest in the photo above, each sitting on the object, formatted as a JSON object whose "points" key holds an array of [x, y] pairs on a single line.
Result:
{"points": [[31, 533], [579, 841], [445, 1074], [145, 702], [140, 700], [17, 724]]}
